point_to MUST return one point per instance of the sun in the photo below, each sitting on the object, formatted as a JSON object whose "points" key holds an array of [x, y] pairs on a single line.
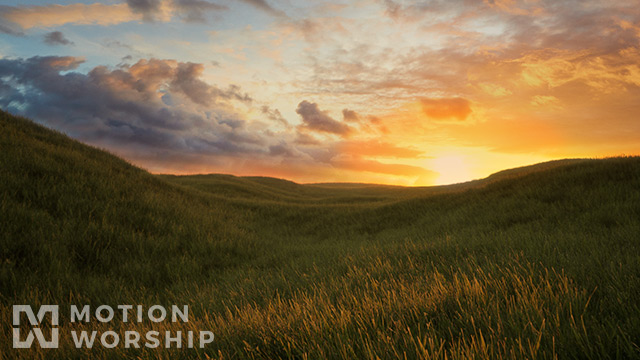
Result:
{"points": [[452, 168]]}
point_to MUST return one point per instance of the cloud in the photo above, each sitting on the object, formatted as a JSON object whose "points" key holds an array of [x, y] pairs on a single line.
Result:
{"points": [[516, 7], [350, 115], [603, 72], [188, 10], [494, 90], [365, 123], [264, 6], [5, 29], [316, 120], [274, 115], [28, 17], [56, 38], [376, 148], [282, 149], [392, 8], [545, 101], [147, 8], [152, 109], [7, 26], [458, 39], [187, 80], [414, 11], [194, 10], [306, 139], [160, 113], [508, 136], [357, 164], [117, 46], [372, 74], [46, 16], [446, 108], [501, 62]]}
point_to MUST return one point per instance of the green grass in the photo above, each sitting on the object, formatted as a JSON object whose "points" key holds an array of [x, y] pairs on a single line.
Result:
{"points": [[537, 262]]}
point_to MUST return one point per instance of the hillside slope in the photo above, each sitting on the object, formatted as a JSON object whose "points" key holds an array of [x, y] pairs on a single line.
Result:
{"points": [[75, 214], [536, 262]]}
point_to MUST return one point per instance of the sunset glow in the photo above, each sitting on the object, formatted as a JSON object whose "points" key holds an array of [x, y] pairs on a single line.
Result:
{"points": [[452, 169], [379, 91]]}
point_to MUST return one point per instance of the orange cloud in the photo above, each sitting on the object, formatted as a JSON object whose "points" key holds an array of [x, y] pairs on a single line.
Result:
{"points": [[447, 108], [65, 63], [606, 73], [56, 15], [512, 7], [355, 164], [373, 148], [546, 101], [494, 90], [28, 17], [510, 135]]}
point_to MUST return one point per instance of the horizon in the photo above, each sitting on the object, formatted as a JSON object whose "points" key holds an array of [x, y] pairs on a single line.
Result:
{"points": [[372, 92], [396, 185]]}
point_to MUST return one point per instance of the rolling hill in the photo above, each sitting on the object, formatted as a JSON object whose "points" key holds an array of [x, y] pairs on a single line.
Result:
{"points": [[536, 262]]}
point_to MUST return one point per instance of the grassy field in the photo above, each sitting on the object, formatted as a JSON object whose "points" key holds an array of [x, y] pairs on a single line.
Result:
{"points": [[539, 262]]}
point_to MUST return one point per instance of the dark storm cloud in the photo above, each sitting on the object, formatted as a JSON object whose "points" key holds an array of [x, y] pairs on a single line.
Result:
{"points": [[317, 120], [56, 38], [151, 107], [147, 8], [195, 10]]}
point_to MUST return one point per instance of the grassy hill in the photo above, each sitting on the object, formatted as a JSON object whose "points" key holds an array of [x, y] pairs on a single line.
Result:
{"points": [[536, 262]]}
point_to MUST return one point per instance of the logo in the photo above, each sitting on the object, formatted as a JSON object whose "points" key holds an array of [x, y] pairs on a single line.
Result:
{"points": [[171, 337], [24, 344]]}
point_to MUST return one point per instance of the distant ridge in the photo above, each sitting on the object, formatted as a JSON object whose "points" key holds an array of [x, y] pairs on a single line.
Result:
{"points": [[24, 127]]}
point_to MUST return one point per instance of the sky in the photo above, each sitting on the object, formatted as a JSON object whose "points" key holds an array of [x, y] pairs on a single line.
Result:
{"points": [[377, 91]]}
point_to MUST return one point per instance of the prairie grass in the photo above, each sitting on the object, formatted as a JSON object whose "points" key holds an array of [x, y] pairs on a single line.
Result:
{"points": [[541, 262]]}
